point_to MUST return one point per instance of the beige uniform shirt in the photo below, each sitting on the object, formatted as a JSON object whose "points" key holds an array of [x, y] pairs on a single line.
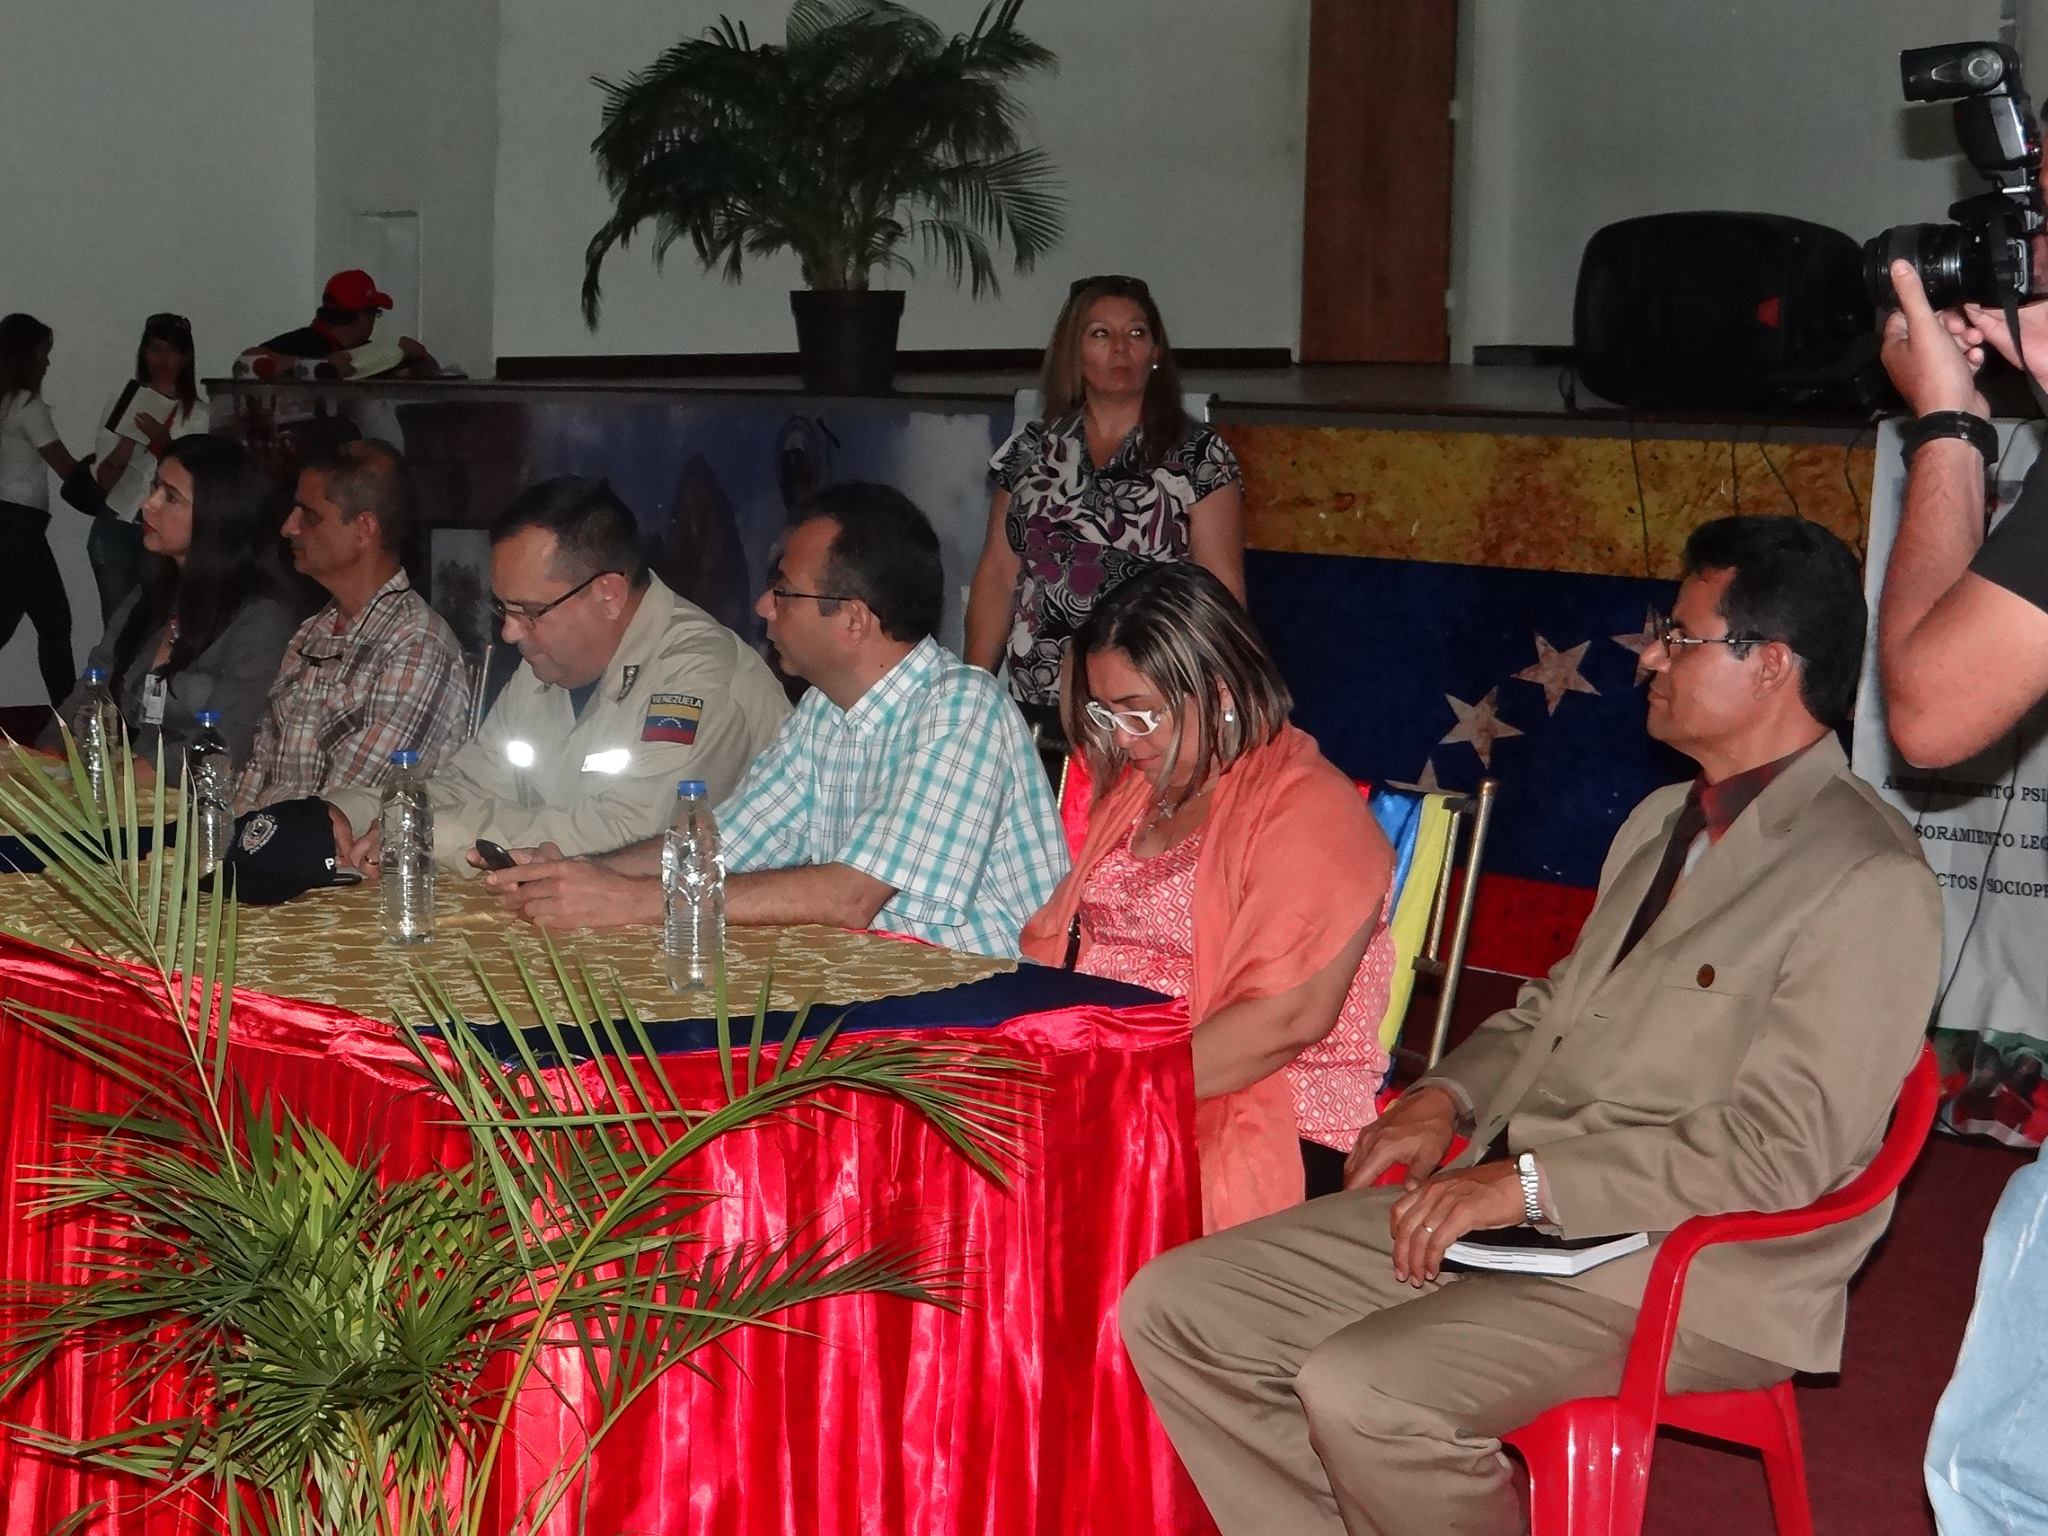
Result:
{"points": [[683, 698]]}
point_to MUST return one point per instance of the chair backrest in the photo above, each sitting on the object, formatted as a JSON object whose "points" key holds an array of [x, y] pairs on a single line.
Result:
{"points": [[1420, 828], [1424, 827], [1030, 405], [1649, 1356], [479, 682], [1434, 904], [1076, 792]]}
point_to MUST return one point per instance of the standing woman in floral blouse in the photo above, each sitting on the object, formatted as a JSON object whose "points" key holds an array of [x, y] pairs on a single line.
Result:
{"points": [[1116, 478]]}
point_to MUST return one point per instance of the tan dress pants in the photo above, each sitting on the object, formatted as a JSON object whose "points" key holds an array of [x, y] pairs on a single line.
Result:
{"points": [[1309, 1392]]}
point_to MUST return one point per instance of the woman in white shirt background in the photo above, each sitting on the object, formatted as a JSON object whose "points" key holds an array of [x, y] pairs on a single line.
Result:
{"points": [[127, 463], [30, 584]]}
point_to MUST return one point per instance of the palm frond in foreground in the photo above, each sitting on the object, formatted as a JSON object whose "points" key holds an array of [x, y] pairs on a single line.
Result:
{"points": [[302, 1346]]}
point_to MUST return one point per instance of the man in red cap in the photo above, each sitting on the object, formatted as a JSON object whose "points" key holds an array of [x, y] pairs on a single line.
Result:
{"points": [[341, 328]]}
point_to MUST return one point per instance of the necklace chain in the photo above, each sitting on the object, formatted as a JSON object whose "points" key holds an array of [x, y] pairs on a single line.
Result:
{"points": [[1164, 810]]}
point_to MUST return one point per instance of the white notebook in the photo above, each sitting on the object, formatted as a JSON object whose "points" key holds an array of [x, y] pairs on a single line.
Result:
{"points": [[1526, 1251], [137, 400]]}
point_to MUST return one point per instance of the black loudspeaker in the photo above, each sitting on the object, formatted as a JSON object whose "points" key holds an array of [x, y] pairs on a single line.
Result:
{"points": [[1732, 311]]}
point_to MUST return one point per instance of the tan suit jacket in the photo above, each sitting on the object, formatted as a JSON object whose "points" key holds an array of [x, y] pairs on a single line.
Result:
{"points": [[1744, 1056]]}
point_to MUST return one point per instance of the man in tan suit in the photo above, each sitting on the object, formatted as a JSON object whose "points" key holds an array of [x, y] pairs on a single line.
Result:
{"points": [[1729, 1034]]}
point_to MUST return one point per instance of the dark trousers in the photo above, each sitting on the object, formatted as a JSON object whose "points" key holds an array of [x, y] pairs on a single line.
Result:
{"points": [[1322, 1167], [32, 587], [115, 547]]}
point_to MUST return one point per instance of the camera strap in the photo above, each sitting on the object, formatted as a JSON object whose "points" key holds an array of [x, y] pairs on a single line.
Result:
{"points": [[2011, 307], [2004, 229]]}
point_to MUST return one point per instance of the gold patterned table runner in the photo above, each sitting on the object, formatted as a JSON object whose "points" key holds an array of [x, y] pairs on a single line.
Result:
{"points": [[328, 947]]}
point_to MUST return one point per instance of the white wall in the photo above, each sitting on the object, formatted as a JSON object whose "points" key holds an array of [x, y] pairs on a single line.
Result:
{"points": [[1579, 113], [1177, 124], [406, 118], [159, 156]]}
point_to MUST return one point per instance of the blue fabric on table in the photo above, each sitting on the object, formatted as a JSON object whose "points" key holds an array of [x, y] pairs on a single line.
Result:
{"points": [[983, 1004], [18, 857]]}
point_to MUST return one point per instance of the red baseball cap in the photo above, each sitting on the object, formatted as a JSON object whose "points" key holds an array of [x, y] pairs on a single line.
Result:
{"points": [[354, 289]]}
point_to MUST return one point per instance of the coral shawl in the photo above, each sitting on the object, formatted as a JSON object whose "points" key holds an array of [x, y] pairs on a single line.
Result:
{"points": [[1291, 865]]}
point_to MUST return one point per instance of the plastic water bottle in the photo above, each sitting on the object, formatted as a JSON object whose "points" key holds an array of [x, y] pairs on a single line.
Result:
{"points": [[210, 791], [96, 729], [692, 893], [406, 861]]}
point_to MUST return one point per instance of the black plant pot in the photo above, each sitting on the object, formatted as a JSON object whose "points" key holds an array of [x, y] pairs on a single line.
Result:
{"points": [[846, 339]]}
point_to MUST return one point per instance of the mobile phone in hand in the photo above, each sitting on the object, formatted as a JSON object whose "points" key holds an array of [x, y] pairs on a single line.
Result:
{"points": [[493, 856]]}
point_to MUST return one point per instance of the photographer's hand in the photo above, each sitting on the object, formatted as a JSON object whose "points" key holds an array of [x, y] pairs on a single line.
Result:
{"points": [[1961, 658], [1933, 358], [1989, 326]]}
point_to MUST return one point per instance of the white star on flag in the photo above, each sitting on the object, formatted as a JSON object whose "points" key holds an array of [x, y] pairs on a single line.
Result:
{"points": [[1558, 672], [1479, 724], [1425, 781], [1635, 645]]}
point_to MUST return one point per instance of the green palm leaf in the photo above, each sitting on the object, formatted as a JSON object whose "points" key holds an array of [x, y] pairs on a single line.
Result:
{"points": [[866, 127], [345, 1343]]}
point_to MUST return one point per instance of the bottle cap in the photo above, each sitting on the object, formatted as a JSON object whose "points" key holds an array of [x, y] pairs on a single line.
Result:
{"points": [[95, 674], [690, 787], [208, 717], [405, 758]]}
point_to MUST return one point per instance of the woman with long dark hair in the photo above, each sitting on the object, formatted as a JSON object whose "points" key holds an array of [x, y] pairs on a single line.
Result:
{"points": [[1115, 478], [30, 584], [131, 440], [1229, 862], [209, 627]]}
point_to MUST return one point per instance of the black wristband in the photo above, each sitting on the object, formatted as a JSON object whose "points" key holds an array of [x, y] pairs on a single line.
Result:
{"points": [[1970, 427]]}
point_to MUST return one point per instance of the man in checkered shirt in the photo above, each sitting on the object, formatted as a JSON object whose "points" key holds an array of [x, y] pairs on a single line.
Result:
{"points": [[376, 670], [904, 793]]}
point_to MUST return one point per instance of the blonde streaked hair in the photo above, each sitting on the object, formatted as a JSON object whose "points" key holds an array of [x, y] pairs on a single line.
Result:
{"points": [[1190, 639]]}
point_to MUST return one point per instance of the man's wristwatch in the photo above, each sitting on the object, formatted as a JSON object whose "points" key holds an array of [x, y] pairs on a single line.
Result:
{"points": [[1967, 425], [1532, 1189]]}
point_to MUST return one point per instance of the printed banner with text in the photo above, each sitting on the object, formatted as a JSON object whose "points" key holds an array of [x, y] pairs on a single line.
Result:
{"points": [[1983, 825]]}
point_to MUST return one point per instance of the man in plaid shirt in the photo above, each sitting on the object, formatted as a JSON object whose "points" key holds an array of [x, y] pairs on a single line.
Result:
{"points": [[374, 671], [903, 794]]}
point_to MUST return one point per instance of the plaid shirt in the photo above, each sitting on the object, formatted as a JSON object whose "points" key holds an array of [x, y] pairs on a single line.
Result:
{"points": [[928, 784], [346, 698]]}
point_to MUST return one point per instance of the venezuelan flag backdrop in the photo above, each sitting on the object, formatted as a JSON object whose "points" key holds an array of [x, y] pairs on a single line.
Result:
{"points": [[1449, 604]]}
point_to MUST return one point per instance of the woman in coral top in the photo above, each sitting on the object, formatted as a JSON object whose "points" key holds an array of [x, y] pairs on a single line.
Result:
{"points": [[1229, 862]]}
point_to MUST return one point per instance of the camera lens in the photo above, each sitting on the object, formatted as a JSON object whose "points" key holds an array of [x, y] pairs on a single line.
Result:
{"points": [[1953, 260]]}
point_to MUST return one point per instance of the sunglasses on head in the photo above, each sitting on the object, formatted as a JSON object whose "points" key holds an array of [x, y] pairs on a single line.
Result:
{"points": [[1110, 280], [168, 322]]}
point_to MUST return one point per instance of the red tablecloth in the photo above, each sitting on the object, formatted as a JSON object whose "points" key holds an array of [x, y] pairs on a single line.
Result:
{"points": [[1021, 1415]]}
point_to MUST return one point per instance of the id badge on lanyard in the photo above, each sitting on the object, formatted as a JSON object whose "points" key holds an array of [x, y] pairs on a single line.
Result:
{"points": [[155, 693]]}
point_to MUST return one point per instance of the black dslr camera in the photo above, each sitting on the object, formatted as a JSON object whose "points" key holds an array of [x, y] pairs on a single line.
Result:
{"points": [[1987, 255]]}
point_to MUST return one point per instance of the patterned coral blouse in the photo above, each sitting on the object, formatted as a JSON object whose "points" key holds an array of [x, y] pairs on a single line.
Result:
{"points": [[1139, 915], [1080, 532]]}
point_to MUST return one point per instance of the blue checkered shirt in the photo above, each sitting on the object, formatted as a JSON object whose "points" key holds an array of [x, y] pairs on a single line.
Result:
{"points": [[928, 784]]}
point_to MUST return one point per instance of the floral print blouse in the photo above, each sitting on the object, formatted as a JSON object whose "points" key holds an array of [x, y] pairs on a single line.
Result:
{"points": [[1080, 532]]}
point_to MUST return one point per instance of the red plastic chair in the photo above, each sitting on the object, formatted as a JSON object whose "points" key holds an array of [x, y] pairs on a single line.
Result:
{"points": [[1589, 1459]]}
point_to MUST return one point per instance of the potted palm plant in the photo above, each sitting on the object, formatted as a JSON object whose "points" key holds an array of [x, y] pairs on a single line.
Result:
{"points": [[868, 131], [349, 1347]]}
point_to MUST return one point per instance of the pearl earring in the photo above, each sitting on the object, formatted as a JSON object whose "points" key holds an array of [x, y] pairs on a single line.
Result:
{"points": [[1230, 717]]}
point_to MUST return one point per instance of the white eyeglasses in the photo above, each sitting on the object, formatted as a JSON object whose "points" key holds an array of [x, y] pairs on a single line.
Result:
{"points": [[1132, 722]]}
